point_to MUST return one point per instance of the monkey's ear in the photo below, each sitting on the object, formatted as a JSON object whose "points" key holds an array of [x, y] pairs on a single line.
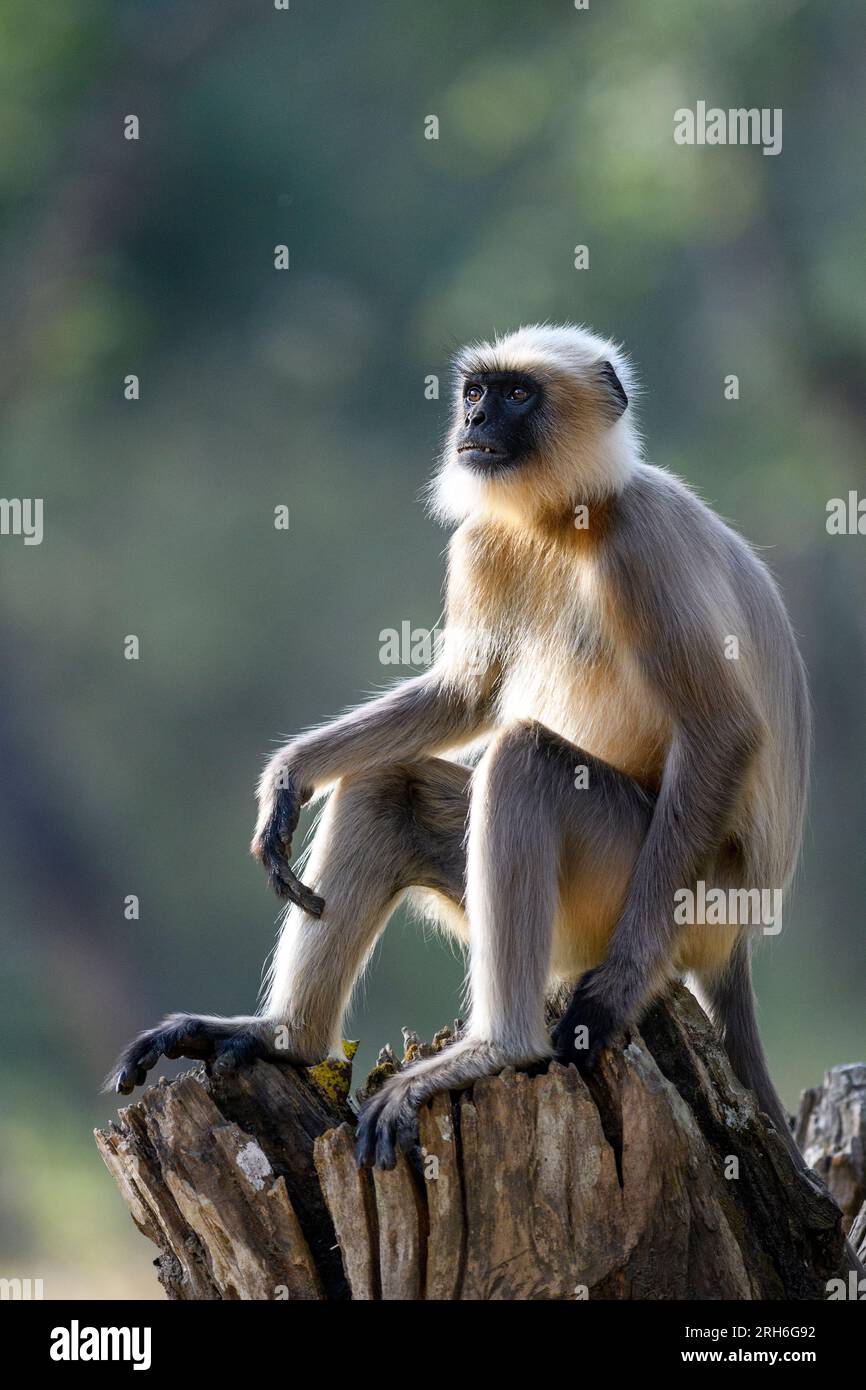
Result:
{"points": [[615, 398]]}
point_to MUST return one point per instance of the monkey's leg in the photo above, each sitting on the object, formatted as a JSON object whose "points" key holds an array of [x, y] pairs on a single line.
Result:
{"points": [[381, 832], [531, 832]]}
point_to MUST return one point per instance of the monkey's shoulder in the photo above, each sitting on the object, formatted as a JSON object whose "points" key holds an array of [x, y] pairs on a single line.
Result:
{"points": [[662, 535], [657, 508]]}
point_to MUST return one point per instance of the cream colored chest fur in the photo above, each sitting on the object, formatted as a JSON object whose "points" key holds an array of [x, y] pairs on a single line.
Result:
{"points": [[552, 629]]}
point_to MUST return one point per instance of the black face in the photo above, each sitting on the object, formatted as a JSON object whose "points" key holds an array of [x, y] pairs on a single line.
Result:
{"points": [[500, 419]]}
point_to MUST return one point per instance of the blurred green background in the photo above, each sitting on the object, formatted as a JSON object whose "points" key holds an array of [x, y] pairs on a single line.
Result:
{"points": [[306, 388]]}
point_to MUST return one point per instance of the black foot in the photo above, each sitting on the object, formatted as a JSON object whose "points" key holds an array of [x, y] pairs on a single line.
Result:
{"points": [[387, 1122], [227, 1044]]}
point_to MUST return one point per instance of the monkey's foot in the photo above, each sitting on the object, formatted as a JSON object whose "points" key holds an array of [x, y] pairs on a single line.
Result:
{"points": [[587, 1025], [389, 1120], [227, 1043]]}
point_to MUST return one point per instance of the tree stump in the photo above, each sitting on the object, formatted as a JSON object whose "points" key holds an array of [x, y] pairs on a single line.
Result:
{"points": [[831, 1131], [657, 1180]]}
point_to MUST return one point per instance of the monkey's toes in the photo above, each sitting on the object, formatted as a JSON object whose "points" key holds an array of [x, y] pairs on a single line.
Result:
{"points": [[238, 1051], [386, 1123], [375, 1140], [286, 884], [180, 1035]]}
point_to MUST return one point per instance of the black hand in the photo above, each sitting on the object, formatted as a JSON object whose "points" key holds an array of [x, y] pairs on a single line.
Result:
{"points": [[275, 847], [588, 1010]]}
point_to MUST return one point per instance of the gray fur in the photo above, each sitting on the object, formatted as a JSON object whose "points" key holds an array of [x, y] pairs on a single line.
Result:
{"points": [[731, 1002], [706, 775], [686, 581]]}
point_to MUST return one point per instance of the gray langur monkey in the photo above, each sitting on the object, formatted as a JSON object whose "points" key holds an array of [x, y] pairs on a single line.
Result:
{"points": [[619, 755]]}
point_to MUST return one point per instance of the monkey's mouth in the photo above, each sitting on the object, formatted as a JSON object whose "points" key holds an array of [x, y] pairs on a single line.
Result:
{"points": [[470, 447], [481, 457]]}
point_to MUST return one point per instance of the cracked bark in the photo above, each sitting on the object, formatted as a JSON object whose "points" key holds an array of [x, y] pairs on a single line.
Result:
{"points": [[663, 1181]]}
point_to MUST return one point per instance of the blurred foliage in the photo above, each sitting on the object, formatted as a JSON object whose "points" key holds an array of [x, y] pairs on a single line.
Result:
{"points": [[307, 388]]}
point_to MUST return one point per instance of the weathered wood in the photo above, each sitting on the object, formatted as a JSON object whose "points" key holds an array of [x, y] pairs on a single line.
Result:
{"points": [[857, 1235], [440, 1169], [831, 1131], [658, 1180], [350, 1201], [219, 1173]]}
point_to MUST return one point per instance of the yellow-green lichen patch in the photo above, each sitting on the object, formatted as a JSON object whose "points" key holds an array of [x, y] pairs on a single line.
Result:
{"points": [[334, 1076]]}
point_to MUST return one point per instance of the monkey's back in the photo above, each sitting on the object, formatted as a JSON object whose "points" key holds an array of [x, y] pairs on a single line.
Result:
{"points": [[732, 595]]}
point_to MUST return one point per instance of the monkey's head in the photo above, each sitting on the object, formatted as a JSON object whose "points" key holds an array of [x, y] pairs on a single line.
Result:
{"points": [[541, 424]]}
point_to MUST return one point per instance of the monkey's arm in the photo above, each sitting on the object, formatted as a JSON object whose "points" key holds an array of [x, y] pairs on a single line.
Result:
{"points": [[703, 776], [700, 789], [678, 635], [422, 716], [450, 705]]}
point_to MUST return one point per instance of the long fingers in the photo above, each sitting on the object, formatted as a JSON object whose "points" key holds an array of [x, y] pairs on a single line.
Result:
{"points": [[274, 849]]}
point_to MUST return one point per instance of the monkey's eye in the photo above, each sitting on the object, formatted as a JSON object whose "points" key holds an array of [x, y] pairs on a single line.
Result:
{"points": [[518, 394], [473, 393]]}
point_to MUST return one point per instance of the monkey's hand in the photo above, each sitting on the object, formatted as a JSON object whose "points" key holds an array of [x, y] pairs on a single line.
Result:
{"points": [[279, 812], [587, 1025]]}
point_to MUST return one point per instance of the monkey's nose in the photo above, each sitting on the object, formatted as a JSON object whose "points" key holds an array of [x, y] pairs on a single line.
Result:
{"points": [[476, 417]]}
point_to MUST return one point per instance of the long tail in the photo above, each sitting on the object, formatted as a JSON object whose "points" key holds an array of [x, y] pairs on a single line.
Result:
{"points": [[731, 1000]]}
